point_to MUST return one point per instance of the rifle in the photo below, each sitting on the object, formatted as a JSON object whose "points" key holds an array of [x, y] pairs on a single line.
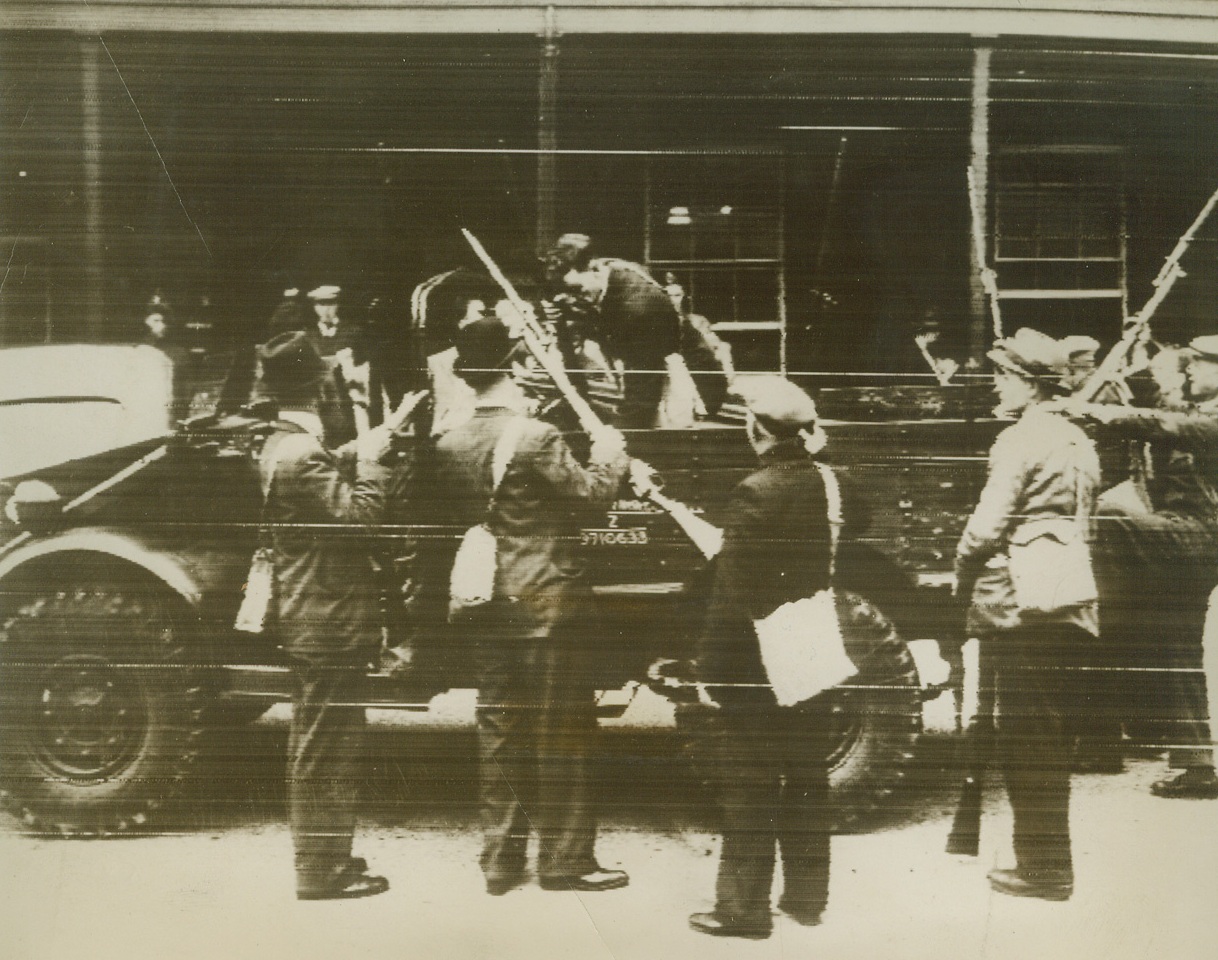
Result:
{"points": [[1137, 327], [541, 343], [976, 754], [539, 340], [705, 535]]}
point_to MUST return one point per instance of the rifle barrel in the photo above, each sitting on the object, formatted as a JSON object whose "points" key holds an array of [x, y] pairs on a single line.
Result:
{"points": [[535, 339], [1110, 367], [1186, 239]]}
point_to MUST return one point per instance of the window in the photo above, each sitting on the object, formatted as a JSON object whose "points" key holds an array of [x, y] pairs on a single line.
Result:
{"points": [[1059, 239], [714, 226]]}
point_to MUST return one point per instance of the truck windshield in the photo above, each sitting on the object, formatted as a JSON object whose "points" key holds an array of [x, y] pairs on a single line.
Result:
{"points": [[40, 432]]}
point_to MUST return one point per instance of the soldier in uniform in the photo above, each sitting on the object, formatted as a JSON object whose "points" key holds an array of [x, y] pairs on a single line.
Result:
{"points": [[628, 314], [774, 778], [328, 610], [1043, 476], [1160, 564], [536, 710]]}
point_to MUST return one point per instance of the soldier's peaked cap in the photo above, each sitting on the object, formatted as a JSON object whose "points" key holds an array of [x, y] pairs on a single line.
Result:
{"points": [[1205, 347], [781, 406], [1077, 344]]}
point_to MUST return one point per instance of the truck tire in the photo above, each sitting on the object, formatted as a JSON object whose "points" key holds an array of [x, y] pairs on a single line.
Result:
{"points": [[101, 711], [877, 714], [877, 718]]}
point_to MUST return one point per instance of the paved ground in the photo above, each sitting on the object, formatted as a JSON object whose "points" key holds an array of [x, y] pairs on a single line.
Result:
{"points": [[220, 886]]}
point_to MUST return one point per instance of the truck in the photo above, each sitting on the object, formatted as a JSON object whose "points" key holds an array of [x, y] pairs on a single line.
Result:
{"points": [[127, 529]]}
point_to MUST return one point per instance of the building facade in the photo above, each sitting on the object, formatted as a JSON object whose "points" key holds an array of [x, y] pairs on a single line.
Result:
{"points": [[800, 169]]}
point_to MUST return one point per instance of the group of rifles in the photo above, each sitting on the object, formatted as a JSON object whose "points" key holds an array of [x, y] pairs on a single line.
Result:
{"points": [[492, 462]]}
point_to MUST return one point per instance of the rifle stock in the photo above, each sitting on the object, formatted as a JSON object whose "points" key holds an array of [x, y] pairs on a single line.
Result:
{"points": [[978, 748], [705, 535], [975, 753]]}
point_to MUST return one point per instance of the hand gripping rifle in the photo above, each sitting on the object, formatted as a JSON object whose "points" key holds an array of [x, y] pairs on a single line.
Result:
{"points": [[541, 343], [1137, 328]]}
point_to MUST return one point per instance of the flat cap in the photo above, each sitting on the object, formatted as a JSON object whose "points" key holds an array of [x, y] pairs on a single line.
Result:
{"points": [[1205, 347], [782, 407], [1033, 355], [1077, 344], [324, 293]]}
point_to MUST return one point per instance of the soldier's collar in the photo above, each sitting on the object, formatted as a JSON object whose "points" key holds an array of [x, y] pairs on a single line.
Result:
{"points": [[786, 450]]}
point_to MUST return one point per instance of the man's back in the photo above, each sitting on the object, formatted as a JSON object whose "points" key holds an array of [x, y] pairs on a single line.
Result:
{"points": [[328, 606], [777, 549], [538, 505]]}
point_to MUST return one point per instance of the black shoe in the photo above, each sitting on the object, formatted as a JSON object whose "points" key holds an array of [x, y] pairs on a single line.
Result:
{"points": [[596, 880], [356, 865], [498, 886], [1055, 886], [345, 886], [1194, 783], [802, 913], [717, 926]]}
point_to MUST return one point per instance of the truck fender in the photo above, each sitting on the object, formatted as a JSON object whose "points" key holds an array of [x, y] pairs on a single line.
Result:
{"points": [[165, 567]]}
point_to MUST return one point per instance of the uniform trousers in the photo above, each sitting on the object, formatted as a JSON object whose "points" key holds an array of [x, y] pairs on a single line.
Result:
{"points": [[1156, 572], [773, 788], [536, 719], [325, 751], [1036, 680]]}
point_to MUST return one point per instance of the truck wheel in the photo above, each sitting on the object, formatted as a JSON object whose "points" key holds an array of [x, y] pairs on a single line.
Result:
{"points": [[877, 715], [877, 718], [100, 711]]}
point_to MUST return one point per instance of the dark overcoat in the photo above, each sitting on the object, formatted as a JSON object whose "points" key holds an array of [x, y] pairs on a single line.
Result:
{"points": [[318, 512]]}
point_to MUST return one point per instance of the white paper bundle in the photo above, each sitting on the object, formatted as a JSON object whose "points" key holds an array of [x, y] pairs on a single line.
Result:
{"points": [[802, 648]]}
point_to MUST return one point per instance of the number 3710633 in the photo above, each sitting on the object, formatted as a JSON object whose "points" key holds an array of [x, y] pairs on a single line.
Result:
{"points": [[627, 537]]}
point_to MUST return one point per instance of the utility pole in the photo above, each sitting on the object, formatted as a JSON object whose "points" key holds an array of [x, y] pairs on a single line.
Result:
{"points": [[547, 135], [979, 334]]}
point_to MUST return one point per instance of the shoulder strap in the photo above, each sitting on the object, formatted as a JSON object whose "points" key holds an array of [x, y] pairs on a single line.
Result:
{"points": [[833, 494], [267, 464], [1080, 506], [280, 447], [505, 450]]}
